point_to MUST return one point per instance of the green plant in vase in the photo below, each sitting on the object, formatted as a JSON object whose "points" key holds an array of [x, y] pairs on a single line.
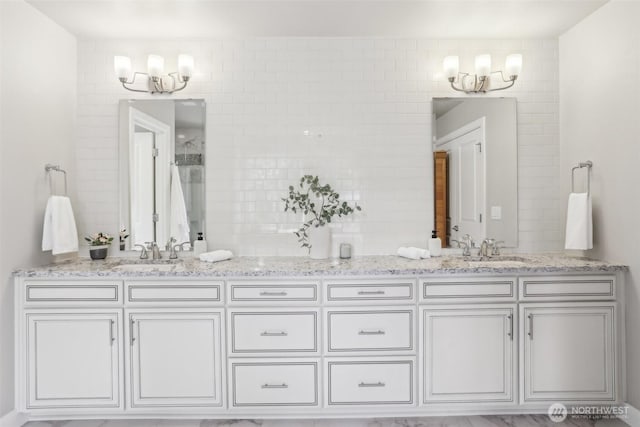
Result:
{"points": [[320, 205]]}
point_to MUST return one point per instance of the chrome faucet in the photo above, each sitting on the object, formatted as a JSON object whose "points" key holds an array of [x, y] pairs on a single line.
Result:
{"points": [[487, 248], [155, 250], [174, 248]]}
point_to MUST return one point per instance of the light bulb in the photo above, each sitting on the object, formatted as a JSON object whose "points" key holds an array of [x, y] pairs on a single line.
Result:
{"points": [[122, 67], [513, 64], [155, 66], [185, 65], [451, 66], [483, 65]]}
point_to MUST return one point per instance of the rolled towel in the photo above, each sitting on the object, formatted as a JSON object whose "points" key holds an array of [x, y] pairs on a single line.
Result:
{"points": [[413, 253], [424, 253], [215, 256]]}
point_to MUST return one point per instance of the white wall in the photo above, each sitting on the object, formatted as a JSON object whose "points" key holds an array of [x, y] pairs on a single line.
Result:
{"points": [[37, 101], [370, 99], [599, 121]]}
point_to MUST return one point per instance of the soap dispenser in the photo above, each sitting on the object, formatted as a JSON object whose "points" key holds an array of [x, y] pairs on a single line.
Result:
{"points": [[200, 245], [435, 244]]}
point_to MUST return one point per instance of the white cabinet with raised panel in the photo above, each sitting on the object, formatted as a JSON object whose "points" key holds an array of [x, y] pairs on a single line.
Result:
{"points": [[73, 359], [174, 358], [568, 352], [469, 353]]}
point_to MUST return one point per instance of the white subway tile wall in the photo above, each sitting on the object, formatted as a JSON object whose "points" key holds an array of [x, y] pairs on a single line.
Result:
{"points": [[355, 111]]}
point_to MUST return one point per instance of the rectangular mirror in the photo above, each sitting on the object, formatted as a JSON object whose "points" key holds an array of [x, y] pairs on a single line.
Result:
{"points": [[475, 153], [162, 170]]}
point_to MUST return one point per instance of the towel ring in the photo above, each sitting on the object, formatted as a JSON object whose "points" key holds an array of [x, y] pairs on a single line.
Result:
{"points": [[588, 164], [56, 168]]}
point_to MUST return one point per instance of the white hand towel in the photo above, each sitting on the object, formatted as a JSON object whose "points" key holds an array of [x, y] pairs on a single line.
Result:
{"points": [[215, 256], [179, 219], [59, 234], [579, 232], [424, 253], [413, 253]]}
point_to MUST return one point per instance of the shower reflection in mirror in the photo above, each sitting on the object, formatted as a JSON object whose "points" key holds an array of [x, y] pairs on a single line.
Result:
{"points": [[162, 170]]}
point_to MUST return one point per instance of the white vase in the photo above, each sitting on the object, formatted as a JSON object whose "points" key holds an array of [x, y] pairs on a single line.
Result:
{"points": [[320, 241]]}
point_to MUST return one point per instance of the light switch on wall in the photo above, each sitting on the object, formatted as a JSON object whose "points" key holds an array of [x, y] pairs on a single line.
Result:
{"points": [[496, 212]]}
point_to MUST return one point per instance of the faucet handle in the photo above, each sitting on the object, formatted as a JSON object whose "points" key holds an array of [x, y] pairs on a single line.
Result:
{"points": [[466, 250], [174, 248], [496, 247], [170, 243], [143, 251]]}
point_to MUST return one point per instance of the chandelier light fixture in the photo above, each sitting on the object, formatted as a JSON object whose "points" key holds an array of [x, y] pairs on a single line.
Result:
{"points": [[480, 82], [157, 82]]}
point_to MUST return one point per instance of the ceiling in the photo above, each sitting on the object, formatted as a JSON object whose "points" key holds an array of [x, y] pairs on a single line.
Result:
{"points": [[188, 19]]}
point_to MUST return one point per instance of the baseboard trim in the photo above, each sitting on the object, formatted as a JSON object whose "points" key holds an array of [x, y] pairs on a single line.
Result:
{"points": [[633, 416], [13, 419]]}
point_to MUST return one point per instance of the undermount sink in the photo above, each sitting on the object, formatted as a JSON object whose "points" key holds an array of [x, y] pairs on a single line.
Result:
{"points": [[144, 267], [496, 258], [498, 261], [147, 264]]}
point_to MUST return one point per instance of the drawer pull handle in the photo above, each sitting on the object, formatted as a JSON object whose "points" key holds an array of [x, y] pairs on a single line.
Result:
{"points": [[378, 384], [377, 332], [530, 333], [283, 385], [273, 294], [111, 334], [274, 334], [510, 333], [370, 292]]}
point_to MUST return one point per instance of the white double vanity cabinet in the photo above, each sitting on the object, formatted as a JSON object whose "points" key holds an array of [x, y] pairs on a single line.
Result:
{"points": [[372, 337]]}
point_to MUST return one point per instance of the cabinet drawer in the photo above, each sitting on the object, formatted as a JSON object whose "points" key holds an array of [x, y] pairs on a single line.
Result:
{"points": [[290, 383], [368, 382], [384, 291], [468, 290], [273, 331], [186, 292], [594, 287], [370, 330], [267, 292], [53, 293]]}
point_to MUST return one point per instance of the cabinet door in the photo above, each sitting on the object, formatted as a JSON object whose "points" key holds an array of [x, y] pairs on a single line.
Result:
{"points": [[73, 359], [468, 354], [568, 351], [174, 358]]}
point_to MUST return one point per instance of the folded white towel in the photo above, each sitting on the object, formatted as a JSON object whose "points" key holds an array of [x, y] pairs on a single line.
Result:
{"points": [[215, 256], [179, 219], [579, 232], [59, 234], [413, 252]]}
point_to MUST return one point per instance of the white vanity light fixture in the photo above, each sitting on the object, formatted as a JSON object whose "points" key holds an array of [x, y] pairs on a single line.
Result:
{"points": [[479, 82], [158, 82]]}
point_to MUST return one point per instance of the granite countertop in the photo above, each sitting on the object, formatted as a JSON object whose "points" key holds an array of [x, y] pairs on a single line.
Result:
{"points": [[303, 266]]}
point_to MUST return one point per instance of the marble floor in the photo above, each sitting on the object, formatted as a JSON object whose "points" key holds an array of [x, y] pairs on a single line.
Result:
{"points": [[474, 421]]}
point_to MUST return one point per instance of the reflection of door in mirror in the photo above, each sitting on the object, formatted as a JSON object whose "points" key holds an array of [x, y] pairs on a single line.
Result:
{"points": [[479, 136], [464, 147], [149, 185], [441, 195]]}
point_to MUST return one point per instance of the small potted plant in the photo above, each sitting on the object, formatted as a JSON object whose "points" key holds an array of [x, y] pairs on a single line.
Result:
{"points": [[98, 245], [123, 237], [320, 204]]}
